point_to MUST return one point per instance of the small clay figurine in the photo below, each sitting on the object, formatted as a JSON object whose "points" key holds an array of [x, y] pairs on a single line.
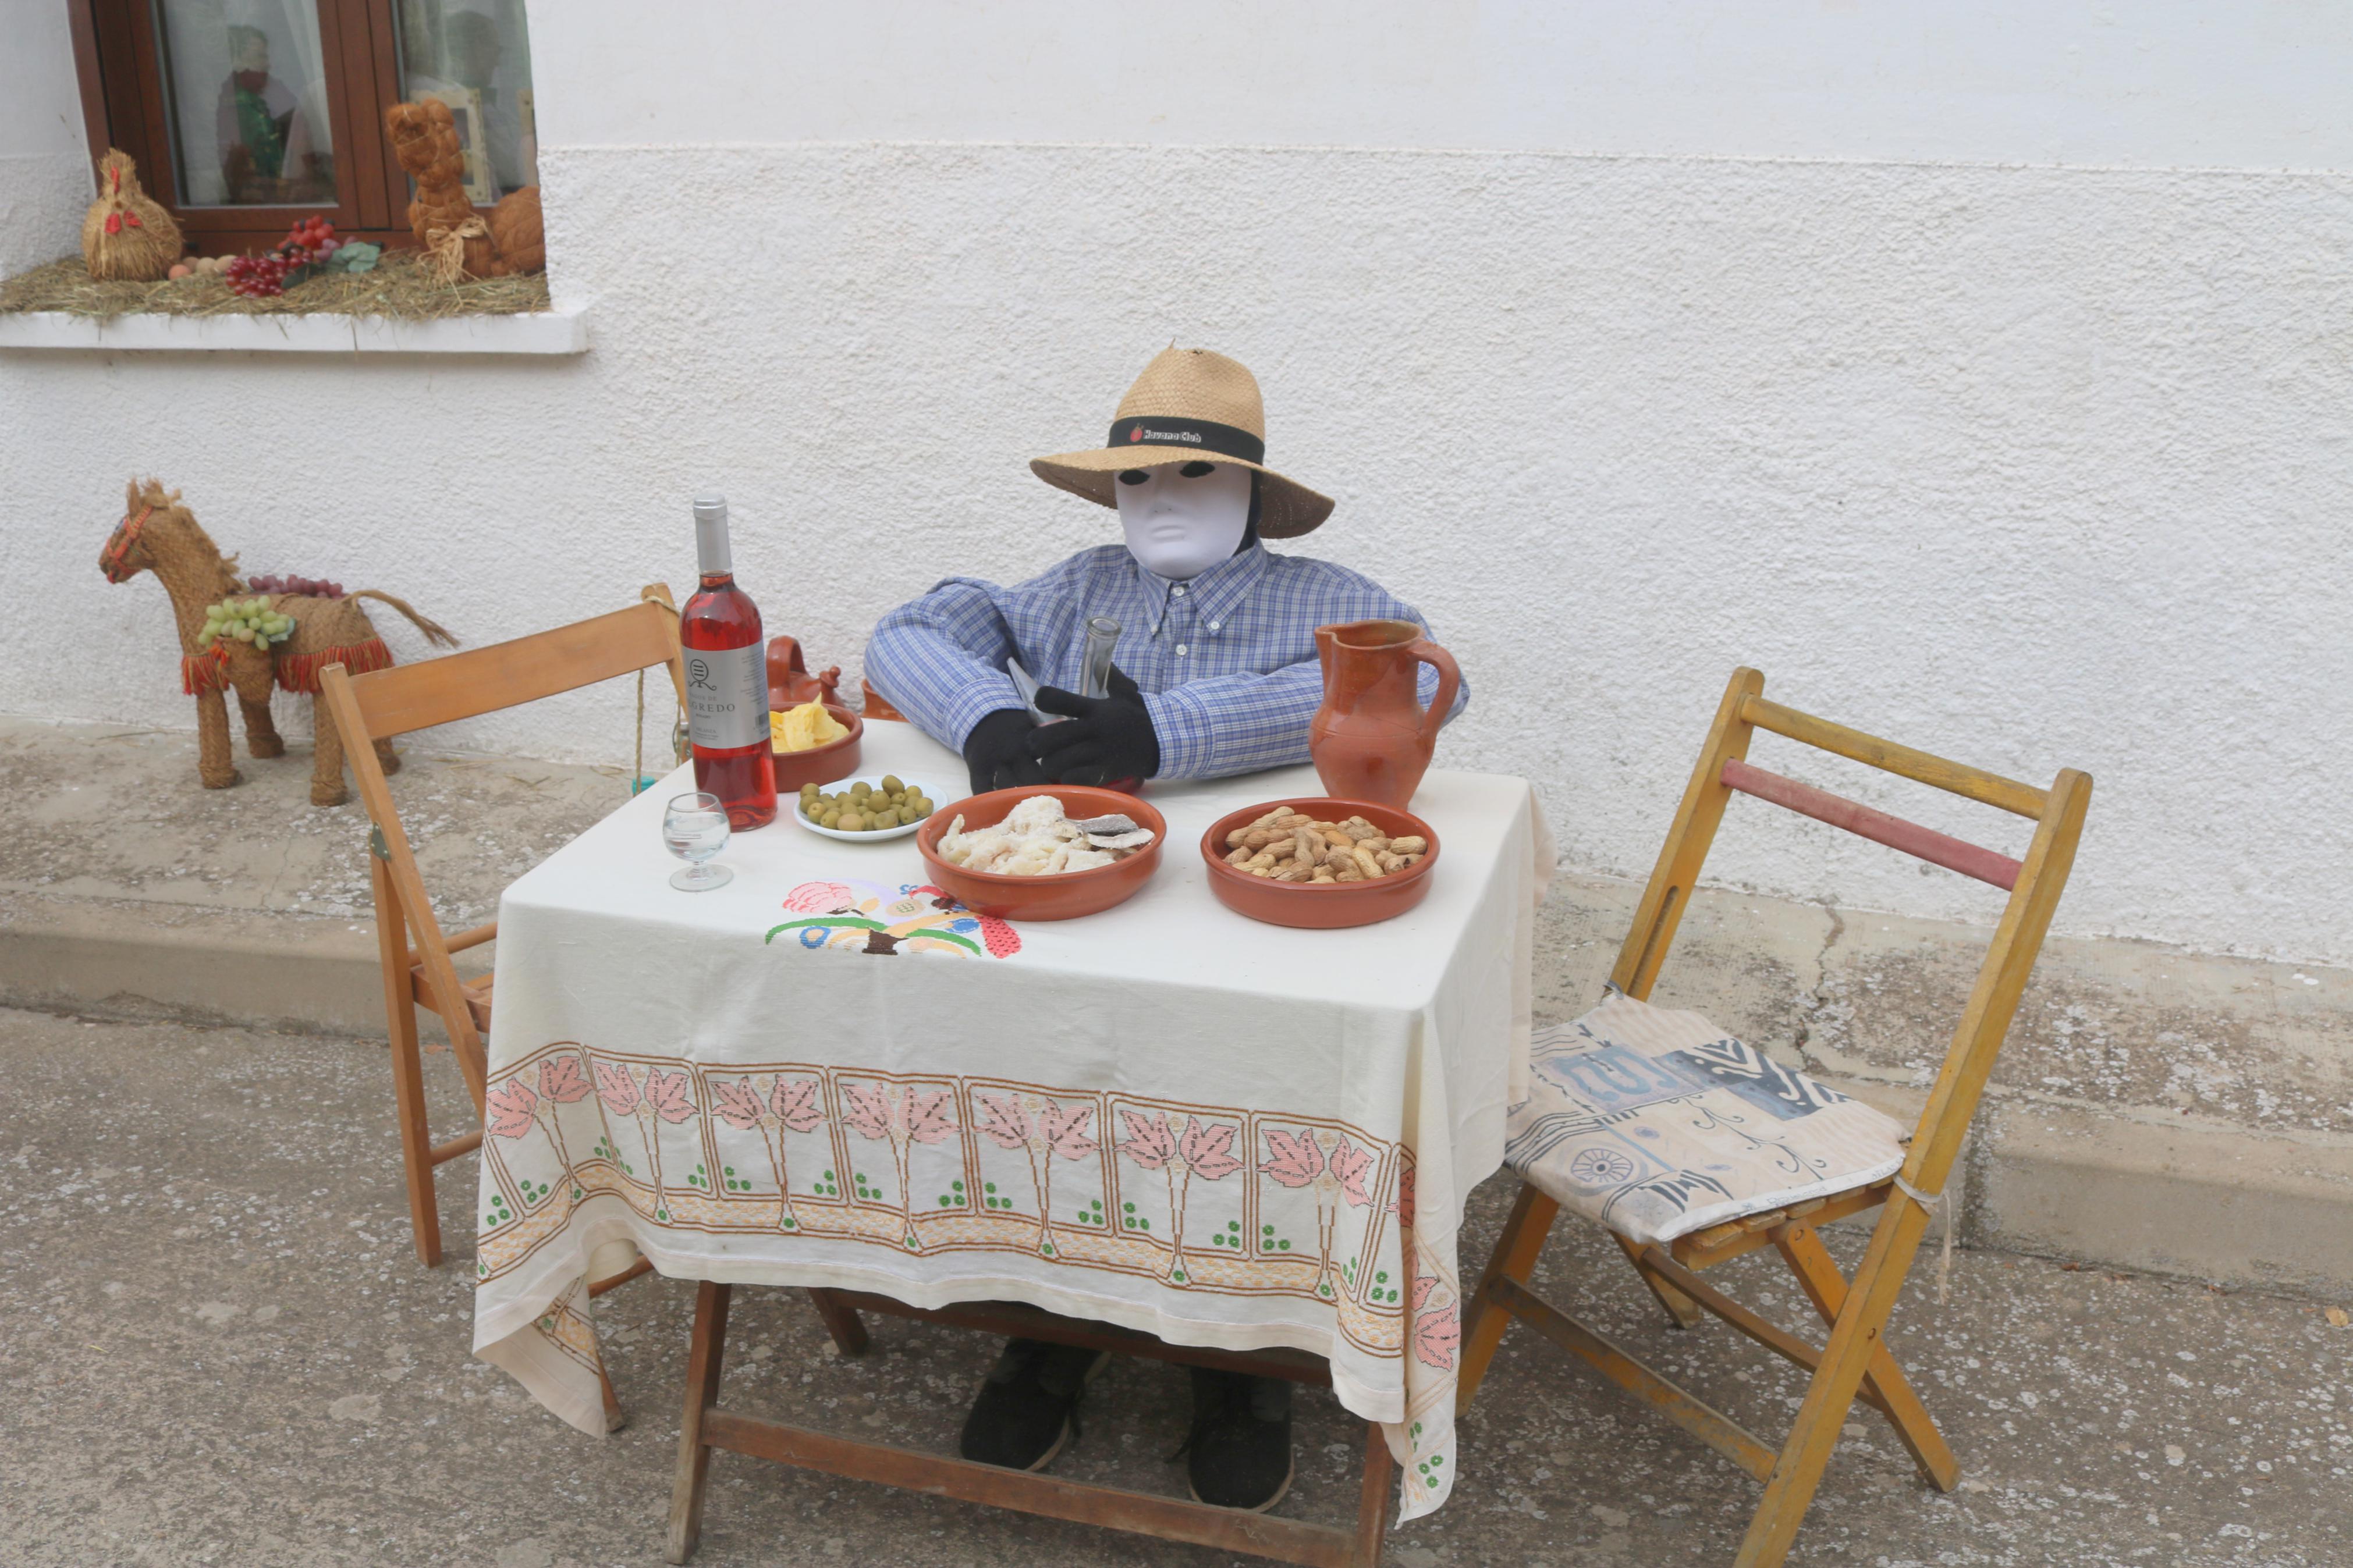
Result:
{"points": [[159, 534], [508, 243], [127, 236]]}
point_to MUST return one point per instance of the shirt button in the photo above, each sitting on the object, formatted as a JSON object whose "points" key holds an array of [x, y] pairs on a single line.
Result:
{"points": [[1213, 625], [1178, 590], [1182, 650]]}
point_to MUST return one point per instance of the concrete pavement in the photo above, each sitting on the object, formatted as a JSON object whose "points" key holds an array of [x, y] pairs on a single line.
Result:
{"points": [[219, 1348]]}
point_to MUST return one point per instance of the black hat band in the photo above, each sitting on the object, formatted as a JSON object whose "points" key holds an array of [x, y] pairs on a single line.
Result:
{"points": [[1154, 430]]}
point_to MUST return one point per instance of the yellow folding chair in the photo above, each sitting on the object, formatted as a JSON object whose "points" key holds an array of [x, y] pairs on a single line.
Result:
{"points": [[387, 702], [1854, 1364]]}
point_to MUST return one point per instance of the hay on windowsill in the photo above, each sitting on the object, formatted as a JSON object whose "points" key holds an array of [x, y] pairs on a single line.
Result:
{"points": [[399, 287]]}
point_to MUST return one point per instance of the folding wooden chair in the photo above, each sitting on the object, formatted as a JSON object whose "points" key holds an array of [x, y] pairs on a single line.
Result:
{"points": [[1854, 1364], [388, 703]]}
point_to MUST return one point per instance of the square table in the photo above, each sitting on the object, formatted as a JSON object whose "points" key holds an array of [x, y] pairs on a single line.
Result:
{"points": [[1164, 1117]]}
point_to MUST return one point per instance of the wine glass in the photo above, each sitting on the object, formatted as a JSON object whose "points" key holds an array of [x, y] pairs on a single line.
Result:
{"points": [[695, 827]]}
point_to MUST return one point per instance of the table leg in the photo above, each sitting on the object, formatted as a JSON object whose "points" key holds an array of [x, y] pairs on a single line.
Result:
{"points": [[841, 1321], [1373, 1506], [703, 1359]]}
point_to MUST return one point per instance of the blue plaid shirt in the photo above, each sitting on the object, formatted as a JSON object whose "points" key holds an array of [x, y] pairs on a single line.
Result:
{"points": [[1226, 662]]}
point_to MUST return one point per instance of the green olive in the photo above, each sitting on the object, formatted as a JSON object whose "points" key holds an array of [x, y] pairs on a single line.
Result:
{"points": [[852, 821], [808, 790], [920, 808], [891, 785], [862, 789], [830, 819], [881, 819]]}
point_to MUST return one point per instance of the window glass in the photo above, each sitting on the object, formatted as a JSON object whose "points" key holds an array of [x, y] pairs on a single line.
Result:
{"points": [[475, 56], [248, 91]]}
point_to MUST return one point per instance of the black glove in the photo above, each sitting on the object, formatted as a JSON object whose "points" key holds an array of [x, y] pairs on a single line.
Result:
{"points": [[1104, 738], [998, 752]]}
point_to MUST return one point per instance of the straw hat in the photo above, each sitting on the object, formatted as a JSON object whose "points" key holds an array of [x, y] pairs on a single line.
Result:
{"points": [[1190, 405]]}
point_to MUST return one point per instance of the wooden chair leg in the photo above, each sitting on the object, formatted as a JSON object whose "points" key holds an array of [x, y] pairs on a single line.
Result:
{"points": [[841, 1321], [1685, 1312], [1817, 1275], [1373, 1502], [408, 1068], [1846, 1360], [1514, 1258], [702, 1360]]}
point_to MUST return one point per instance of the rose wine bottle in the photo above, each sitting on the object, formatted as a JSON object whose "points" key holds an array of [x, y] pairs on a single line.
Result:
{"points": [[726, 681]]}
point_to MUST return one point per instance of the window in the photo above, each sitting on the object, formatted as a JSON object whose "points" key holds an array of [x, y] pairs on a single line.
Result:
{"points": [[246, 114]]}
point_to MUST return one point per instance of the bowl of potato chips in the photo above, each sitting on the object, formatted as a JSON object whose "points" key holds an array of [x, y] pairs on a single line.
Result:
{"points": [[815, 743]]}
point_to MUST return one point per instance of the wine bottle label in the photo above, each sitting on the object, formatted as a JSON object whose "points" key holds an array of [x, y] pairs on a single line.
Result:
{"points": [[726, 696]]}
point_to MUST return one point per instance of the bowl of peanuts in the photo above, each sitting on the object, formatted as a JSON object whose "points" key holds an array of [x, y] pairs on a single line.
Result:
{"points": [[1319, 863]]}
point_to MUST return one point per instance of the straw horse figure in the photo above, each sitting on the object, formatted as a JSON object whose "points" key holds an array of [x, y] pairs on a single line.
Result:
{"points": [[159, 534]]}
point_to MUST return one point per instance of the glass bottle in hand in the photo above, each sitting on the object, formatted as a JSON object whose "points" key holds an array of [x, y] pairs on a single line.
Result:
{"points": [[726, 681]]}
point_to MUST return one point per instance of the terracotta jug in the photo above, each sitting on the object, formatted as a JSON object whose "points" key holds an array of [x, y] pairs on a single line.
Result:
{"points": [[790, 684], [1372, 739]]}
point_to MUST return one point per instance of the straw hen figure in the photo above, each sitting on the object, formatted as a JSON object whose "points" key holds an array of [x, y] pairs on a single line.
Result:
{"points": [[159, 534]]}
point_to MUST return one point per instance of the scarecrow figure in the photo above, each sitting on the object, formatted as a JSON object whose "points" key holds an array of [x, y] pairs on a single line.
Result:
{"points": [[1215, 672]]}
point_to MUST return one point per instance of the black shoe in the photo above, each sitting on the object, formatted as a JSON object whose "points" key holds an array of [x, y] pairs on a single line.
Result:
{"points": [[1027, 1409], [1239, 1455]]}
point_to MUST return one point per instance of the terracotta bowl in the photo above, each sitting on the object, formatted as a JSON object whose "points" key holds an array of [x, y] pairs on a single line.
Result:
{"points": [[1327, 907], [836, 759], [1060, 898]]}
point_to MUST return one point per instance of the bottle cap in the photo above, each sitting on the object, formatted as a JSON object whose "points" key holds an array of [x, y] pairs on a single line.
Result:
{"points": [[711, 554]]}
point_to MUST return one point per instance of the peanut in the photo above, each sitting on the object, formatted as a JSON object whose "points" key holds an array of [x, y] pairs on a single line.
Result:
{"points": [[1287, 846]]}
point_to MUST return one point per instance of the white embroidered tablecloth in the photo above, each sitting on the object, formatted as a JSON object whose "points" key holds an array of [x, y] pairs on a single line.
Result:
{"points": [[1165, 1116]]}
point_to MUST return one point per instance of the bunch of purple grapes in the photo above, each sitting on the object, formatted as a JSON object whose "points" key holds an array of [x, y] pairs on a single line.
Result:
{"points": [[310, 241], [308, 587], [258, 277]]}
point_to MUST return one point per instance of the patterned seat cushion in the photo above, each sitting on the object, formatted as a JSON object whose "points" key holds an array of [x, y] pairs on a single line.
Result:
{"points": [[1657, 1123]]}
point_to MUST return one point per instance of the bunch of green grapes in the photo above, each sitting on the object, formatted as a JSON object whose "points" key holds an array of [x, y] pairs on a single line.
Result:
{"points": [[256, 621]]}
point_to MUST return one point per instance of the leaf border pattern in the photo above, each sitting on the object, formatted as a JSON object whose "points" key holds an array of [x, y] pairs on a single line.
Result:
{"points": [[1121, 1147]]}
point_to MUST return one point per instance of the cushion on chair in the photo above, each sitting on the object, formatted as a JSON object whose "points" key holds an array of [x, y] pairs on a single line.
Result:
{"points": [[1657, 1123]]}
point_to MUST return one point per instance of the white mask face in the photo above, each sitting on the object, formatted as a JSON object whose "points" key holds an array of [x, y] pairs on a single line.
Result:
{"points": [[1181, 518]]}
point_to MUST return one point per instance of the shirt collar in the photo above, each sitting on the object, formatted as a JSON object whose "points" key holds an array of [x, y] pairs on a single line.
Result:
{"points": [[1215, 593]]}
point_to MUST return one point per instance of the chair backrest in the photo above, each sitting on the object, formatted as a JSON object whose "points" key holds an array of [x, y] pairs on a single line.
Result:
{"points": [[507, 675], [387, 702], [2033, 883]]}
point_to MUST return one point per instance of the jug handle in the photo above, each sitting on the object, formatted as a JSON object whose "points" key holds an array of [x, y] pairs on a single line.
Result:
{"points": [[1449, 681]]}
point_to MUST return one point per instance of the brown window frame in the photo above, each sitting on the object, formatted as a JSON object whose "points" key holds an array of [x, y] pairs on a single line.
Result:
{"points": [[120, 61]]}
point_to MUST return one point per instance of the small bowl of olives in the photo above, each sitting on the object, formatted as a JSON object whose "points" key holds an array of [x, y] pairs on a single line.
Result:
{"points": [[864, 811]]}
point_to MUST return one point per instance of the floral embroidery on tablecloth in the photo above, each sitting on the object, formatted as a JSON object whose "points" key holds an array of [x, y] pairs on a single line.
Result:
{"points": [[881, 919], [1193, 1198]]}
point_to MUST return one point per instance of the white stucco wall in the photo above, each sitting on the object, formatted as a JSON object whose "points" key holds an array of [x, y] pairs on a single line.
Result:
{"points": [[2036, 466], [44, 166]]}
